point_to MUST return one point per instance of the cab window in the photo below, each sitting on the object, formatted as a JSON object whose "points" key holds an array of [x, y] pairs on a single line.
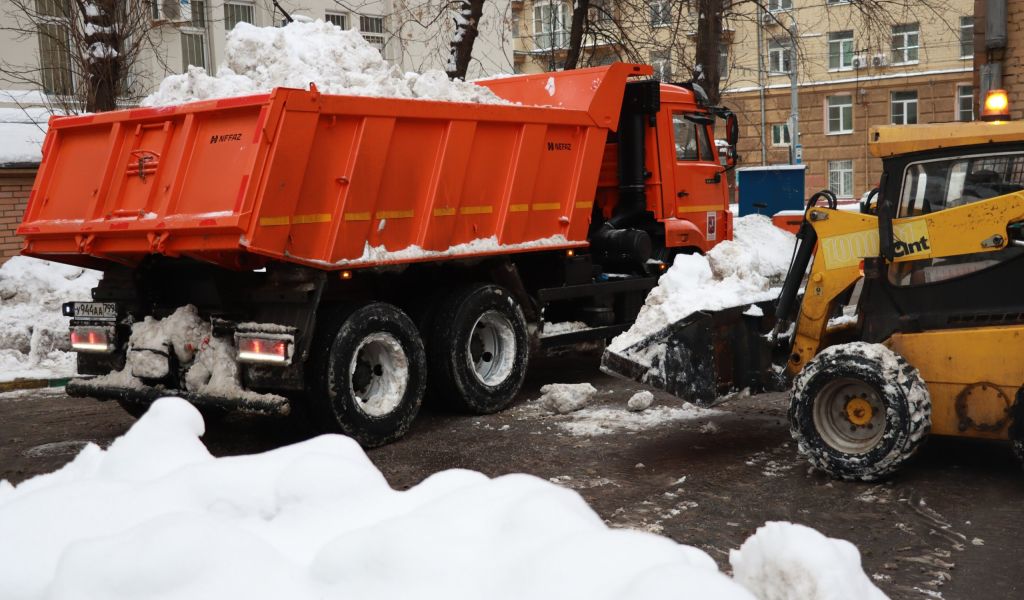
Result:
{"points": [[691, 139]]}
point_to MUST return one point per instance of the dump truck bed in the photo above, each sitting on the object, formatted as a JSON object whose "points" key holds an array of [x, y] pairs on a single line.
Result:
{"points": [[329, 181]]}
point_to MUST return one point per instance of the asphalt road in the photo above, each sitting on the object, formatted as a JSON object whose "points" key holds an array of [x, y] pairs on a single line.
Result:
{"points": [[945, 527]]}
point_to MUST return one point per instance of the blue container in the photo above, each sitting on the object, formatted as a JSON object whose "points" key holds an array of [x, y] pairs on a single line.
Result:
{"points": [[770, 189]]}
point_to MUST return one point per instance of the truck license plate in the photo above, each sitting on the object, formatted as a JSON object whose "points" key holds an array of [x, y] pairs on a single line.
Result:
{"points": [[96, 310]]}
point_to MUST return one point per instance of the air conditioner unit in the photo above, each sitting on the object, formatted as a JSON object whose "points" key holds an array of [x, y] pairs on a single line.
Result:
{"points": [[860, 61], [880, 60], [768, 19], [173, 11]]}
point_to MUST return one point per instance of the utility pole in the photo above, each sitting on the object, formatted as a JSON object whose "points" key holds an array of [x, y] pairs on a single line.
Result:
{"points": [[796, 156], [761, 82]]}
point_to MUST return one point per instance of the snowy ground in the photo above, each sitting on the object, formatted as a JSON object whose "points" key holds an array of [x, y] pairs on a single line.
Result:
{"points": [[155, 514], [33, 333]]}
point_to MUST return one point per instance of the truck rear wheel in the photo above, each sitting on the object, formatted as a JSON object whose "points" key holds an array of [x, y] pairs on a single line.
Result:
{"points": [[479, 349], [859, 411], [369, 374]]}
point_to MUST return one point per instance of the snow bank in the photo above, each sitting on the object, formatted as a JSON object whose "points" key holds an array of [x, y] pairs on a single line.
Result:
{"points": [[156, 516], [22, 132], [33, 332], [783, 561], [735, 272], [604, 420], [562, 398], [258, 59]]}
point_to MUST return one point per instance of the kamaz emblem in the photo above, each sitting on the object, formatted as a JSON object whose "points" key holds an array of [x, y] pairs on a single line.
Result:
{"points": [[552, 146], [227, 137]]}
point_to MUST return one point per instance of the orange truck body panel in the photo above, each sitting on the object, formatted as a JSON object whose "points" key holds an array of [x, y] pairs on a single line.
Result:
{"points": [[319, 179]]}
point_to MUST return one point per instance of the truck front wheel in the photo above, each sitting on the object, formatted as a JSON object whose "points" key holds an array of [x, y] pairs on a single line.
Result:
{"points": [[479, 349], [859, 411], [369, 374]]}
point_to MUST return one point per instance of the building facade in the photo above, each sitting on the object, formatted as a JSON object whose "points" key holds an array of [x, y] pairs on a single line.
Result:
{"points": [[852, 70]]}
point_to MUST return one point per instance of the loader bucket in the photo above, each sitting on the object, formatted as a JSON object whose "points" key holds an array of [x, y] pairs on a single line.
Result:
{"points": [[704, 356]]}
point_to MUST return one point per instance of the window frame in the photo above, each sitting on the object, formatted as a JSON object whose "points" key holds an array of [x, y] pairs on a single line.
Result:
{"points": [[662, 17], [904, 104], [784, 140], [904, 31], [958, 107], [373, 37], [558, 38], [196, 26], [828, 114], [839, 44], [661, 57], [242, 4], [776, 6], [785, 57], [341, 15], [967, 23], [59, 80], [835, 166]]}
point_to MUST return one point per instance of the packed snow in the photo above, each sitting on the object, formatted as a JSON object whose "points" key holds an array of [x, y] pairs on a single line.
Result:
{"points": [[22, 132], [155, 515], [338, 61], [733, 273], [380, 254], [603, 420], [34, 340], [563, 398], [785, 561], [640, 401]]}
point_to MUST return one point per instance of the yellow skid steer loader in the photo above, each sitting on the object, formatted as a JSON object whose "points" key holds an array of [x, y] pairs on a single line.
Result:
{"points": [[931, 279]]}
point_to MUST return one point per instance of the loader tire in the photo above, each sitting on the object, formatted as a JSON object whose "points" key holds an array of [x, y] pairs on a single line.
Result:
{"points": [[368, 373], [859, 411], [479, 350]]}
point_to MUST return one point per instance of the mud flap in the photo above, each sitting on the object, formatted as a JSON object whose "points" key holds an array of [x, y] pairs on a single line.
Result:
{"points": [[705, 356]]}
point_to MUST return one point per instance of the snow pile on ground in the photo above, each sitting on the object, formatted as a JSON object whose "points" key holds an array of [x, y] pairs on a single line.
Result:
{"points": [[735, 272], [156, 515], [212, 368], [640, 401], [603, 420], [33, 332], [784, 561], [338, 61], [22, 131], [563, 398]]}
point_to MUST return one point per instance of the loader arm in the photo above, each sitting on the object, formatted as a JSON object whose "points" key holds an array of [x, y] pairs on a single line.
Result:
{"points": [[845, 239]]}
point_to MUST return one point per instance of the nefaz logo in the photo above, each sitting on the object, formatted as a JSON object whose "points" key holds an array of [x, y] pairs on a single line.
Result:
{"points": [[554, 146], [901, 248], [227, 137]]}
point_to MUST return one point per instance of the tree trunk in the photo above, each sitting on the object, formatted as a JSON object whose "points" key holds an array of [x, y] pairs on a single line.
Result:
{"points": [[579, 20], [466, 24], [708, 42], [102, 61]]}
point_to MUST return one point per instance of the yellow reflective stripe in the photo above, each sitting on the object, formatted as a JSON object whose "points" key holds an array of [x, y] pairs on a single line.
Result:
{"points": [[701, 208], [271, 221], [357, 216], [476, 210], [518, 207], [547, 206], [584, 205], [394, 214], [444, 212], [313, 218]]}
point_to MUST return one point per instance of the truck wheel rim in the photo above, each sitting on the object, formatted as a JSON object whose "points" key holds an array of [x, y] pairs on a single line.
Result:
{"points": [[849, 416], [492, 348], [378, 374]]}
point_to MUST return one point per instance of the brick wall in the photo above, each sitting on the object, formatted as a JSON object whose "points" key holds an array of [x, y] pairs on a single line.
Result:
{"points": [[15, 185]]}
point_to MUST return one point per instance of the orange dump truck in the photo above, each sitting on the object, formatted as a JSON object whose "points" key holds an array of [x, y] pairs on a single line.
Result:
{"points": [[346, 256]]}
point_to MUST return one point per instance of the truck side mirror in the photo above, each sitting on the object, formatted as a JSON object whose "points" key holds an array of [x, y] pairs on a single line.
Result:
{"points": [[732, 130]]}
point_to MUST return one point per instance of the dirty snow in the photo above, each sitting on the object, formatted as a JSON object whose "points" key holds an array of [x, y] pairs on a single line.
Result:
{"points": [[640, 401], [156, 515], [33, 333], [380, 254], [735, 272], [338, 61], [552, 329], [783, 561], [593, 421], [562, 398]]}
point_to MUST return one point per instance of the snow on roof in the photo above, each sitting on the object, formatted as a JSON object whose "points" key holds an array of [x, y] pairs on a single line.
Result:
{"points": [[21, 136]]}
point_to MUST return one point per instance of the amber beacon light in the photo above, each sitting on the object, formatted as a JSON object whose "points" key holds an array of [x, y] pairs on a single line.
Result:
{"points": [[996, 107]]}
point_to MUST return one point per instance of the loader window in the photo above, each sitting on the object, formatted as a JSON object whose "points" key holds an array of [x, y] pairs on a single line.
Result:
{"points": [[691, 139]]}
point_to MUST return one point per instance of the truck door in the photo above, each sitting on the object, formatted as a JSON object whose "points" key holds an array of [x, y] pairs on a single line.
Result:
{"points": [[699, 183]]}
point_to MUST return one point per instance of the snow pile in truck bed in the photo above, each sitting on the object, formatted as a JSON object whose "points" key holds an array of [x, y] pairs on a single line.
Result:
{"points": [[156, 516], [735, 272], [338, 61], [33, 333]]}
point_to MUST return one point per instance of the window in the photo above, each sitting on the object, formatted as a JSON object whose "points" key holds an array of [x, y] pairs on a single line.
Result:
{"points": [[903, 108], [840, 114], [337, 19], [833, 2], [372, 29], [906, 43], [777, 5], [193, 38], [660, 13], [691, 139], [550, 24], [840, 178], [778, 57], [235, 13], [723, 62], [840, 50], [661, 60], [965, 102], [54, 47], [600, 11], [966, 37], [780, 134]]}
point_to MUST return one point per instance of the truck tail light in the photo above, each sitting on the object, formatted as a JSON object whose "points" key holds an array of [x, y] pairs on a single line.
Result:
{"points": [[263, 350], [92, 339]]}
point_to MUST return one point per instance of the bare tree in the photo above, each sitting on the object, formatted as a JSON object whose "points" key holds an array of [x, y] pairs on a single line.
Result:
{"points": [[88, 49], [467, 20]]}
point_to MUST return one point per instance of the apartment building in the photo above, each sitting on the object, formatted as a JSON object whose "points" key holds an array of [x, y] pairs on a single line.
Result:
{"points": [[852, 71]]}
